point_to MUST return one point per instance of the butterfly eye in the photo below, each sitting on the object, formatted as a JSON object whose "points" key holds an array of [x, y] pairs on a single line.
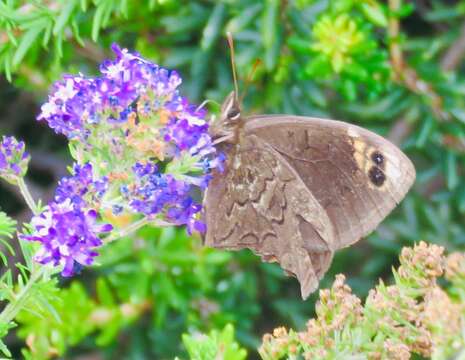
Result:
{"points": [[233, 114]]}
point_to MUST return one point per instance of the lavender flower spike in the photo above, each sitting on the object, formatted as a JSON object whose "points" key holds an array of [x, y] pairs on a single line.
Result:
{"points": [[140, 146], [68, 234], [13, 159]]}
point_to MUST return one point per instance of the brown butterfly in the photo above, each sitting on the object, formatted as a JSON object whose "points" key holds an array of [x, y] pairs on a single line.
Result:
{"points": [[296, 189]]}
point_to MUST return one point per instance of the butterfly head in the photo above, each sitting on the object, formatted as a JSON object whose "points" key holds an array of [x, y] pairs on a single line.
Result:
{"points": [[229, 119], [231, 110]]}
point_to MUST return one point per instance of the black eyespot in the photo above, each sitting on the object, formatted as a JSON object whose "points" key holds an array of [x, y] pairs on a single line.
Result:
{"points": [[377, 158], [233, 114], [376, 176]]}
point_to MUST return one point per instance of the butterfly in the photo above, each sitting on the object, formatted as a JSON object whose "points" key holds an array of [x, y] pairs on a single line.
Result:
{"points": [[295, 189]]}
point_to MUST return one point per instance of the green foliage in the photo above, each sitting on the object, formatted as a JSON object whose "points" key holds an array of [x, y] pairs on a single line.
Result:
{"points": [[18, 292], [216, 345], [7, 229], [344, 48], [51, 330], [160, 275]]}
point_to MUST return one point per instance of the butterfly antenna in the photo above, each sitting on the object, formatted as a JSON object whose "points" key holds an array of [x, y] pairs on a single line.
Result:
{"points": [[233, 65], [249, 79]]}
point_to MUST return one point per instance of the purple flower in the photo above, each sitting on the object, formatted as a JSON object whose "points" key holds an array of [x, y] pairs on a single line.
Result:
{"points": [[150, 144], [154, 192], [81, 188], [13, 159], [72, 102], [77, 103], [157, 193], [68, 234], [186, 214]]}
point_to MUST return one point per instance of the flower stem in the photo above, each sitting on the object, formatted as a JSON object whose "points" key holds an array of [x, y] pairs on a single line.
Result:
{"points": [[135, 226], [127, 230], [14, 306], [27, 196]]}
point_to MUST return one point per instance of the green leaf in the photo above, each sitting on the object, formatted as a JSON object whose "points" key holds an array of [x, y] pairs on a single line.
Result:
{"points": [[270, 29], [77, 35], [405, 10], [425, 131], [212, 30], [7, 225], [374, 12], [100, 16], [59, 46], [4, 349], [28, 249], [124, 9], [199, 72], [7, 66], [461, 199], [65, 15], [47, 34], [299, 44], [214, 346], [349, 90], [104, 293], [83, 4], [27, 40], [451, 171], [244, 18], [11, 37], [4, 329]]}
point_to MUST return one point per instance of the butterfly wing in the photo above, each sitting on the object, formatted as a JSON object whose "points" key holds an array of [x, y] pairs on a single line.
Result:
{"points": [[261, 203], [296, 189], [357, 176]]}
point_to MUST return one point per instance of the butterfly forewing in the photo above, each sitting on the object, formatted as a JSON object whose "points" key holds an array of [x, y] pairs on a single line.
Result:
{"points": [[358, 177], [295, 189]]}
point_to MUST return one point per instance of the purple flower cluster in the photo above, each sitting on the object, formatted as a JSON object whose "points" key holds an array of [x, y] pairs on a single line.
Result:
{"points": [[157, 193], [140, 148], [134, 116], [81, 188], [68, 235], [13, 159], [67, 228], [127, 84]]}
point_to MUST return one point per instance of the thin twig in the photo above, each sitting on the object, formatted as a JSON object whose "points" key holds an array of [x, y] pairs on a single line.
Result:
{"points": [[401, 129], [403, 73], [117, 234], [454, 55], [27, 196]]}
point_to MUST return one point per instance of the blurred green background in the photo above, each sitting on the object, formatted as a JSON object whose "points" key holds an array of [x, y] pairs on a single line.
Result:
{"points": [[391, 66]]}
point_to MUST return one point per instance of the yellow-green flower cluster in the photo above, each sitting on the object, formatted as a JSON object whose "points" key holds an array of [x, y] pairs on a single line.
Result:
{"points": [[338, 39]]}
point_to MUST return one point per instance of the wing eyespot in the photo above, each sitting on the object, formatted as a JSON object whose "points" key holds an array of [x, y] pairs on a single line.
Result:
{"points": [[377, 158], [376, 176]]}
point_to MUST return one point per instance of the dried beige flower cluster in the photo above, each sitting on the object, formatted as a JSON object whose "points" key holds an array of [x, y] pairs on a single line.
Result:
{"points": [[413, 316]]}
